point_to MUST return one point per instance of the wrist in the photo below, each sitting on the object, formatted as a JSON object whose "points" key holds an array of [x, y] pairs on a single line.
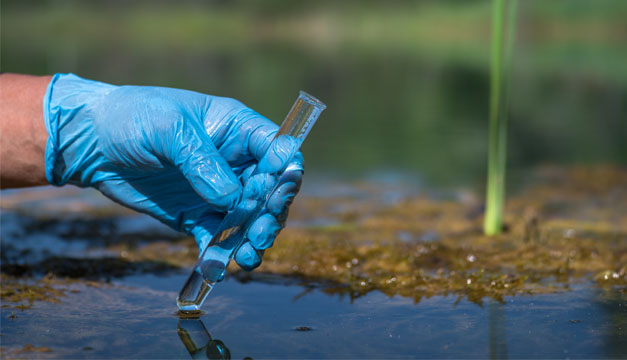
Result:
{"points": [[22, 129]]}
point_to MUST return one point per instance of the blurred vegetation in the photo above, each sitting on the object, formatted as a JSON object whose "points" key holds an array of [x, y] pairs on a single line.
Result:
{"points": [[503, 30], [406, 82]]}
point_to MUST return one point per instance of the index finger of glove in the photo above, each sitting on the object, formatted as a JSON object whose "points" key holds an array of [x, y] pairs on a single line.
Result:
{"points": [[281, 153], [289, 185], [271, 151]]}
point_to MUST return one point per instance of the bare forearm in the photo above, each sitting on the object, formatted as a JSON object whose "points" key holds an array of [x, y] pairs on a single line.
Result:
{"points": [[23, 134]]}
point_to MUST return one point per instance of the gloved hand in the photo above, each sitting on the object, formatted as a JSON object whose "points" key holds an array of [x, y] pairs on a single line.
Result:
{"points": [[177, 155]]}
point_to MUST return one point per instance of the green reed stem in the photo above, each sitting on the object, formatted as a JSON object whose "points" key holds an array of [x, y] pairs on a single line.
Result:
{"points": [[503, 30]]}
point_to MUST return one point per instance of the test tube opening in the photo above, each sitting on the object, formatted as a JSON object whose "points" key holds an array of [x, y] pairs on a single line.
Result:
{"points": [[310, 99], [302, 116]]}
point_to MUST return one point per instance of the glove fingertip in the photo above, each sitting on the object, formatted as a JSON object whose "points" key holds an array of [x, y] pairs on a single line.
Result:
{"points": [[297, 163], [263, 231], [282, 198], [247, 257]]}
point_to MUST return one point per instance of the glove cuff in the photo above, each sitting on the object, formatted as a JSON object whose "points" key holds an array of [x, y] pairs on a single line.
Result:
{"points": [[71, 149], [52, 125]]}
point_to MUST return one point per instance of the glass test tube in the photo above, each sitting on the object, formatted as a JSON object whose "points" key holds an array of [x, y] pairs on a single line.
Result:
{"points": [[232, 231]]}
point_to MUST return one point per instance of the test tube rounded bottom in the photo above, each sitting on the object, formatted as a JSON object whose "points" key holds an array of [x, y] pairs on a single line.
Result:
{"points": [[199, 285]]}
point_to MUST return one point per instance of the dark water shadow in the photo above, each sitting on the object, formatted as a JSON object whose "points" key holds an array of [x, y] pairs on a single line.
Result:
{"points": [[86, 268]]}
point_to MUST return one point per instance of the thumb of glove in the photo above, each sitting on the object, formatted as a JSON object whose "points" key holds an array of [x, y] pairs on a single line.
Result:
{"points": [[204, 168]]}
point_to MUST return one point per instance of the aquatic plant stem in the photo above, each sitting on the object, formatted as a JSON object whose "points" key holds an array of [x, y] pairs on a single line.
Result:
{"points": [[503, 30]]}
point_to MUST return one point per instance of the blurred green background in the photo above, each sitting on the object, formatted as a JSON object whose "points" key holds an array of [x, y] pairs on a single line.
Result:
{"points": [[406, 82]]}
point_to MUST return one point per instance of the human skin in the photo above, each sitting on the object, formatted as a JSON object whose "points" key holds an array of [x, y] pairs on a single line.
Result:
{"points": [[23, 133]]}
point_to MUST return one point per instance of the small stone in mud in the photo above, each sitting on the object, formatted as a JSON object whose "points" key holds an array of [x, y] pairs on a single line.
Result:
{"points": [[303, 328]]}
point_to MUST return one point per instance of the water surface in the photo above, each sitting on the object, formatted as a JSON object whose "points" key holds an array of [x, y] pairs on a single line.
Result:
{"points": [[135, 318], [110, 303]]}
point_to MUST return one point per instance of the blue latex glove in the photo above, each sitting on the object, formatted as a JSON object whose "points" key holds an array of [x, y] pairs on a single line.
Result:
{"points": [[177, 155]]}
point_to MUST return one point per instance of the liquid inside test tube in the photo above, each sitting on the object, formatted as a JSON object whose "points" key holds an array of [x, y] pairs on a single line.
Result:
{"points": [[198, 286], [209, 270], [231, 233]]}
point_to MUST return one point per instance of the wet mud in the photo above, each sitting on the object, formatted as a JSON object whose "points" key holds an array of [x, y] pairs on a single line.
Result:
{"points": [[564, 226]]}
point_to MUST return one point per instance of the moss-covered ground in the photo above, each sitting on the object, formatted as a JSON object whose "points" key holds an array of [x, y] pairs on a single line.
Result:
{"points": [[566, 226]]}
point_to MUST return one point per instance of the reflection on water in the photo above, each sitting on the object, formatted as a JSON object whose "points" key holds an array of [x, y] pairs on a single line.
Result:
{"points": [[133, 319], [497, 332], [198, 341]]}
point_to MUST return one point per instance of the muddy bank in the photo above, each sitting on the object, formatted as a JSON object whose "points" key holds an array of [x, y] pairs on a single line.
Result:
{"points": [[566, 226]]}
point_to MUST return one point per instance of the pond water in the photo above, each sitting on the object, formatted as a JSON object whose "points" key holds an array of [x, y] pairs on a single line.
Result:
{"points": [[134, 317], [101, 301]]}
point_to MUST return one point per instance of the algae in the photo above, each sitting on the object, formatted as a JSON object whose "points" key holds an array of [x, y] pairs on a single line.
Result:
{"points": [[22, 293], [567, 226], [26, 349], [31, 348]]}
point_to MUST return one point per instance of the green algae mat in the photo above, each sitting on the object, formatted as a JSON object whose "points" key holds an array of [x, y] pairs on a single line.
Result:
{"points": [[565, 227]]}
